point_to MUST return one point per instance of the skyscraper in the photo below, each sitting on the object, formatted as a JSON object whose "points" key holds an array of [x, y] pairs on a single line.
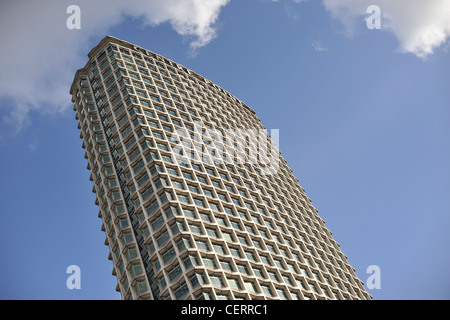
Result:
{"points": [[195, 199]]}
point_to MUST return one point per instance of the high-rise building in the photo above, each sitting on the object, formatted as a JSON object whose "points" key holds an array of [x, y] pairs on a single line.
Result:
{"points": [[195, 199]]}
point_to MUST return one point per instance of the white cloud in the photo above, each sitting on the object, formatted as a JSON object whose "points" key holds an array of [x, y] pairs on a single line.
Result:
{"points": [[420, 26], [40, 55]]}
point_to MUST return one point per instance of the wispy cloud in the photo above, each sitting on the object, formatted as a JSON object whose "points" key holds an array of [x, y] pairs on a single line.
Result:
{"points": [[40, 55], [33, 145], [318, 46], [296, 1], [290, 10], [291, 13]]}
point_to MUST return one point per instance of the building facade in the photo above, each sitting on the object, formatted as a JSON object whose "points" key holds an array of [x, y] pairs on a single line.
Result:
{"points": [[196, 201]]}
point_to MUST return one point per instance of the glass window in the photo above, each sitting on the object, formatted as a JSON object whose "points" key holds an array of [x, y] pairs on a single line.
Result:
{"points": [[205, 217], [175, 272], [258, 272], [207, 193], [208, 262], [193, 188], [266, 290], [136, 269], [168, 254], [234, 284], [202, 180], [188, 175], [183, 198], [141, 287], [195, 229], [214, 207], [177, 184], [250, 286], [272, 276], [281, 294], [242, 240], [227, 236], [202, 245], [218, 248], [250, 256], [211, 232], [199, 202], [181, 290], [221, 221], [163, 238], [235, 252], [226, 265], [189, 213], [216, 281]]}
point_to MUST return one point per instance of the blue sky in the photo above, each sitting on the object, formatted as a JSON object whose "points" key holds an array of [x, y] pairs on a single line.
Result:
{"points": [[363, 118]]}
